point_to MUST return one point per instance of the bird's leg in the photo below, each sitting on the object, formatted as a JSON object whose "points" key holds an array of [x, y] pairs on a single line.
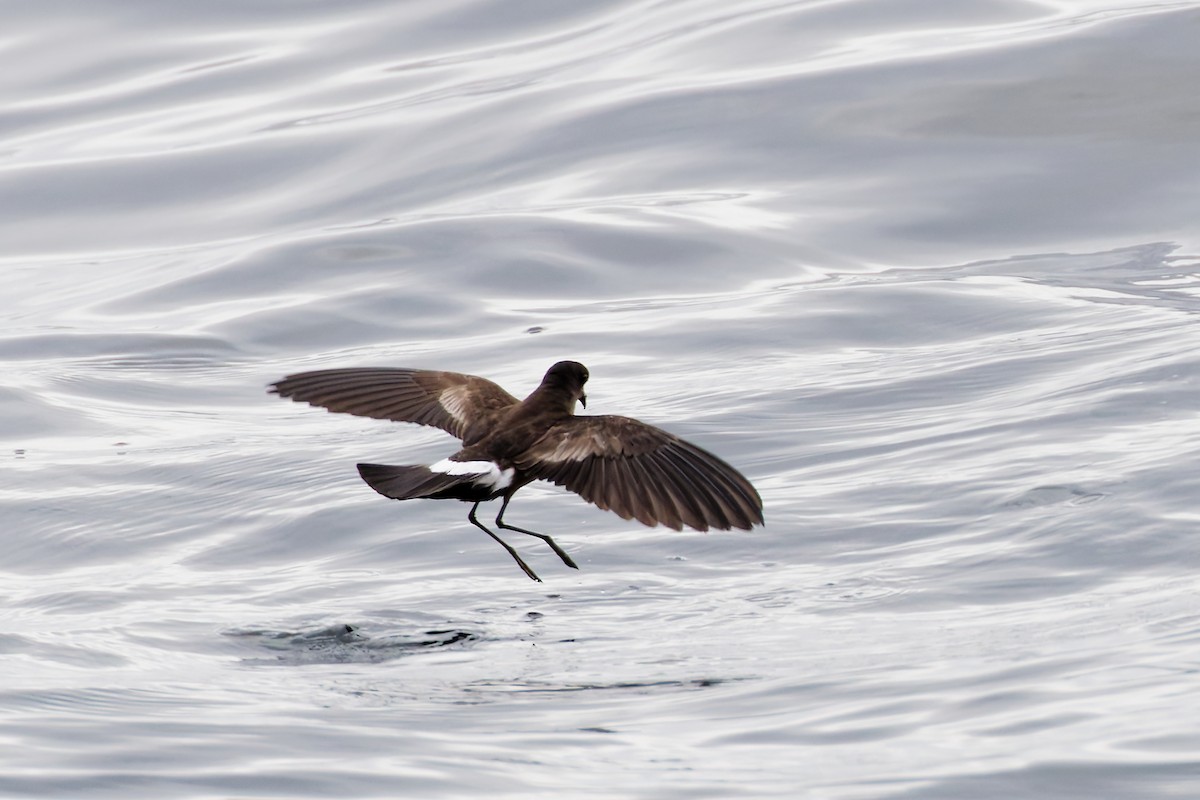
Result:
{"points": [[500, 523], [516, 557]]}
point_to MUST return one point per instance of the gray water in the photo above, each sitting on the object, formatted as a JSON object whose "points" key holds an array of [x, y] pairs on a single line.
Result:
{"points": [[924, 271]]}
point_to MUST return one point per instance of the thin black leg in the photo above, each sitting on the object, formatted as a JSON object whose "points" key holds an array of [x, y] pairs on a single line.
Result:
{"points": [[516, 557], [500, 523]]}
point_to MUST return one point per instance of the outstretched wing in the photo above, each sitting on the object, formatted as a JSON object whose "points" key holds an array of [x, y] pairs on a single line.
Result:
{"points": [[447, 400], [639, 471]]}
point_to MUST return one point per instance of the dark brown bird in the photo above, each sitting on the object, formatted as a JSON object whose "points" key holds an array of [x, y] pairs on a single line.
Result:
{"points": [[622, 465]]}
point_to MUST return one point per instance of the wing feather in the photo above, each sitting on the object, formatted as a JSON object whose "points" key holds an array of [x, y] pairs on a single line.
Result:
{"points": [[640, 505], [670, 498], [697, 510], [447, 400], [640, 471], [716, 498]]}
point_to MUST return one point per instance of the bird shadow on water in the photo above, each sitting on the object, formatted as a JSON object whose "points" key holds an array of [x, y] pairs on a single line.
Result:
{"points": [[342, 644]]}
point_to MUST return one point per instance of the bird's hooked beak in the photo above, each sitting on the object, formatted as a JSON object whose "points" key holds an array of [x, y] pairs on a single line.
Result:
{"points": [[583, 399]]}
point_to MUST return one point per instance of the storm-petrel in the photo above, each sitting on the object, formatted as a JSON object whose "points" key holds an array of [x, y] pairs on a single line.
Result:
{"points": [[620, 464]]}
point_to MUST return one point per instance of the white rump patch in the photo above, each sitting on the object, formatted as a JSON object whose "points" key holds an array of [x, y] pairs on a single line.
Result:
{"points": [[488, 472]]}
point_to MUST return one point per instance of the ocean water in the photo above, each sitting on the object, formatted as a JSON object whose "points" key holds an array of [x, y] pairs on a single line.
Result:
{"points": [[926, 272]]}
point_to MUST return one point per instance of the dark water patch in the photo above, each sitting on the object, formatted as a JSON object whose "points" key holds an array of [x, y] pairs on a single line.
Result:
{"points": [[344, 644], [1041, 496], [634, 687]]}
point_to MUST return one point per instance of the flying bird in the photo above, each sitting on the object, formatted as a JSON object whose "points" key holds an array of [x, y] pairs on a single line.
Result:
{"points": [[620, 464]]}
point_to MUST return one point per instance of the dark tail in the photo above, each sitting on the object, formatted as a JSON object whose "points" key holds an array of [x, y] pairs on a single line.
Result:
{"points": [[407, 482]]}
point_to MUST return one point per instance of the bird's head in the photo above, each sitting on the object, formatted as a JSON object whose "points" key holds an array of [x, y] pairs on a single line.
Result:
{"points": [[569, 377]]}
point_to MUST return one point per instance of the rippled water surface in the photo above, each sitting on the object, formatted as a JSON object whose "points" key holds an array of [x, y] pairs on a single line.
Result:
{"points": [[924, 271]]}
